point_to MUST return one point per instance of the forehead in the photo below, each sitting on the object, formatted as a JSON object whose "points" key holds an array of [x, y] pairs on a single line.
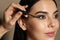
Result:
{"points": [[44, 5]]}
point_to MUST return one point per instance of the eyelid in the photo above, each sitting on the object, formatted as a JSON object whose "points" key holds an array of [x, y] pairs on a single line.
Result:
{"points": [[56, 13], [38, 16], [41, 14]]}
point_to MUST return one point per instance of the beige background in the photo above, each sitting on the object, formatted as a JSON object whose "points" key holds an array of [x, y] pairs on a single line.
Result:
{"points": [[5, 3]]}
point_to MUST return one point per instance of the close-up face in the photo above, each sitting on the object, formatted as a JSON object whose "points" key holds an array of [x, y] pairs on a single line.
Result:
{"points": [[44, 23]]}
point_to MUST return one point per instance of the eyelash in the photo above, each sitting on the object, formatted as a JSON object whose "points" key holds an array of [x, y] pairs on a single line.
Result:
{"points": [[56, 16], [44, 17], [41, 16]]}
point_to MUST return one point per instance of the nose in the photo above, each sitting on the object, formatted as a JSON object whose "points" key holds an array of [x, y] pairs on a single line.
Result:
{"points": [[51, 23]]}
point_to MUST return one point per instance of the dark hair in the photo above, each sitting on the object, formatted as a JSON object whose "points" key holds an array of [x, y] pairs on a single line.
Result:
{"points": [[55, 3], [19, 33], [30, 3]]}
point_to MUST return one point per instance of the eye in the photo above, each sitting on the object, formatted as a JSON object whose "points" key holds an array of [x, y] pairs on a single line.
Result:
{"points": [[41, 16], [56, 16]]}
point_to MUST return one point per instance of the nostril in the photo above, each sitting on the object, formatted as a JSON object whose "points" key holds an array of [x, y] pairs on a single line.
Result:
{"points": [[51, 24]]}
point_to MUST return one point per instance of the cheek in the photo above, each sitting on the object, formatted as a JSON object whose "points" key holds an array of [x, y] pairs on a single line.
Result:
{"points": [[37, 26], [56, 25]]}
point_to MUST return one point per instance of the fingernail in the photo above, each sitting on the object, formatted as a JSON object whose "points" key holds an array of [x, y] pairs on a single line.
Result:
{"points": [[26, 5], [24, 10], [26, 15]]}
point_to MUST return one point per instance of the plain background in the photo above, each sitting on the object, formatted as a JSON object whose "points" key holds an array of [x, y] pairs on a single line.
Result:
{"points": [[4, 4]]}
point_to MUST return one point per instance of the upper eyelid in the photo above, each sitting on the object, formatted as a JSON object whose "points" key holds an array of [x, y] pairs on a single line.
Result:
{"points": [[40, 14], [56, 13], [34, 16]]}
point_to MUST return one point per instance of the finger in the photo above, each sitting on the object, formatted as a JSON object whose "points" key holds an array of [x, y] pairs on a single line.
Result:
{"points": [[26, 6], [10, 9], [8, 18], [14, 5], [15, 18]]}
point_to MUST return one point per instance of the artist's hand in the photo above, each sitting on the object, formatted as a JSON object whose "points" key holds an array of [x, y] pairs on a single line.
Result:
{"points": [[10, 16]]}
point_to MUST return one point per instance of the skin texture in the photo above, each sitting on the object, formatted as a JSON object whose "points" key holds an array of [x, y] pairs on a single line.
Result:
{"points": [[38, 27], [10, 17]]}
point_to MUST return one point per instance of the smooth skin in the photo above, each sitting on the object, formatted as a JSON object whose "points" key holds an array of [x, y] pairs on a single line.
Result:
{"points": [[9, 18], [47, 20]]}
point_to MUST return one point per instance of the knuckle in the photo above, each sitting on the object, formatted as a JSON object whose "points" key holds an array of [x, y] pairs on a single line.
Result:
{"points": [[13, 4], [10, 23], [16, 17]]}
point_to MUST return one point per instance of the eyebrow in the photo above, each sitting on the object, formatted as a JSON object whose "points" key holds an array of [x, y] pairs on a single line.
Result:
{"points": [[43, 12]]}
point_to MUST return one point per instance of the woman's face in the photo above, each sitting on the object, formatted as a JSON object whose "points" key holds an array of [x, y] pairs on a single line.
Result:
{"points": [[46, 25]]}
